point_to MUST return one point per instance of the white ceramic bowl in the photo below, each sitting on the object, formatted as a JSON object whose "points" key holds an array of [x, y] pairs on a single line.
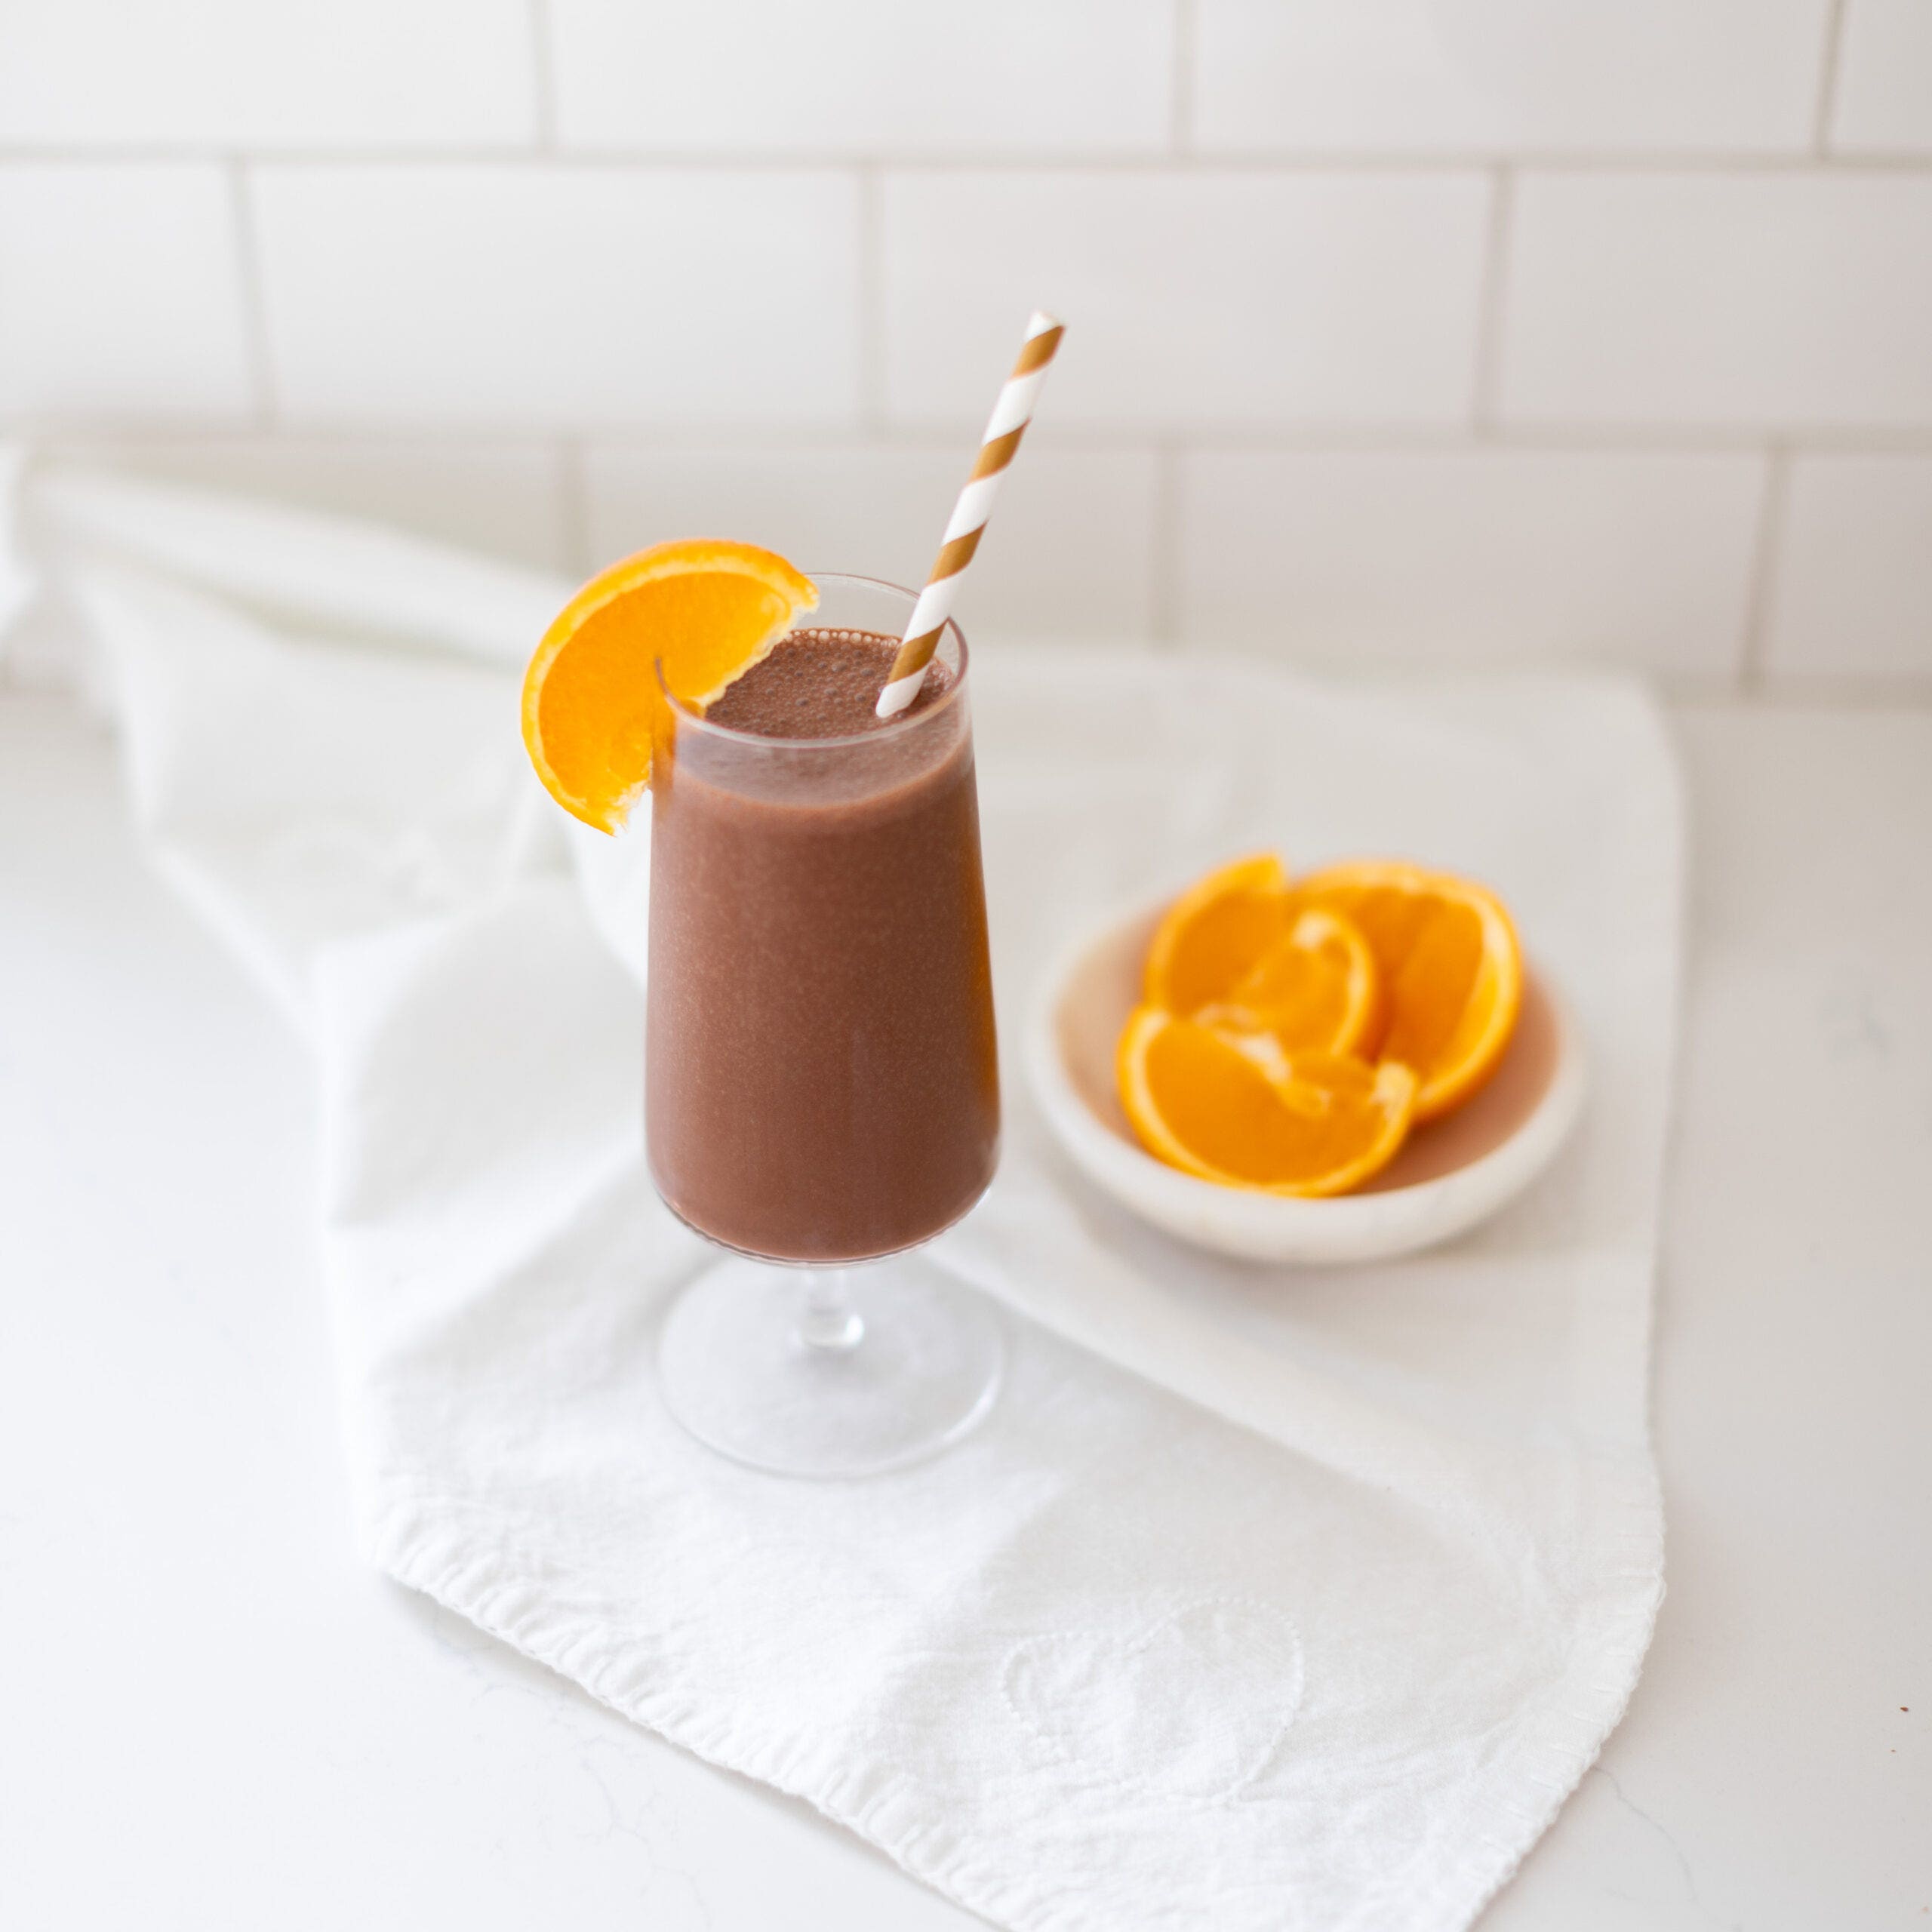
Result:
{"points": [[1451, 1174]]}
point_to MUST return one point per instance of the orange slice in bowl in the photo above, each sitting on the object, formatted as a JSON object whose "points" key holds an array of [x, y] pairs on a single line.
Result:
{"points": [[1450, 968], [1235, 1109], [1314, 989], [1212, 936], [706, 609], [1237, 948]]}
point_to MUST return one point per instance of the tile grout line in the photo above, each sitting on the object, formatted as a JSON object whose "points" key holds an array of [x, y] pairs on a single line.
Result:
{"points": [[1291, 162], [1180, 104], [1653, 439], [1763, 585], [1489, 318], [255, 299], [871, 182], [542, 70], [1827, 81]]}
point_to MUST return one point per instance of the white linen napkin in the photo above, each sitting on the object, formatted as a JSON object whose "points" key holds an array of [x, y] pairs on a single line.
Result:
{"points": [[1269, 1598]]}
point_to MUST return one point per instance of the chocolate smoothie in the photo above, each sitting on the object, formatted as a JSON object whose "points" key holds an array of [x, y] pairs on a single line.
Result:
{"points": [[820, 1083]]}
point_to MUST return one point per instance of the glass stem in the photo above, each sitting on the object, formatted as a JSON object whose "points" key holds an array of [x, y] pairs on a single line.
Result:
{"points": [[827, 1321]]}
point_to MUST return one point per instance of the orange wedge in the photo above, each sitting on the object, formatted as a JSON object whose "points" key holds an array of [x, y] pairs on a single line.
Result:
{"points": [[1211, 937], [707, 609], [1237, 949], [1315, 989], [1235, 1109], [1450, 969]]}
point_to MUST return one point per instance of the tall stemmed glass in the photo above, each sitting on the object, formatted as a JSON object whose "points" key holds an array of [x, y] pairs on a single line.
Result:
{"points": [[821, 1085]]}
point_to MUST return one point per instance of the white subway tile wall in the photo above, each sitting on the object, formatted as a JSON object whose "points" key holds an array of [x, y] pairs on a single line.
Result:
{"points": [[1229, 298], [845, 77], [1402, 332], [499, 293], [1444, 557], [1883, 103], [508, 498], [1853, 588], [265, 74], [120, 293], [1069, 553], [1742, 302], [1496, 76]]}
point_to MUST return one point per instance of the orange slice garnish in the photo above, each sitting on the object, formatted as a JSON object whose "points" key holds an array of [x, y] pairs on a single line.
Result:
{"points": [[1235, 1109], [1450, 968], [706, 609]]}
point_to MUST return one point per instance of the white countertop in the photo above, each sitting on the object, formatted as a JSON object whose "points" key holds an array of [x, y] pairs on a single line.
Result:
{"points": [[173, 1529]]}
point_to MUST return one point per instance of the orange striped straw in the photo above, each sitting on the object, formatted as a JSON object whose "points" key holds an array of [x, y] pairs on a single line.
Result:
{"points": [[1010, 416]]}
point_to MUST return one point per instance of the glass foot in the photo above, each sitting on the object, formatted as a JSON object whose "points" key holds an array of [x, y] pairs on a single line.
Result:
{"points": [[831, 1373]]}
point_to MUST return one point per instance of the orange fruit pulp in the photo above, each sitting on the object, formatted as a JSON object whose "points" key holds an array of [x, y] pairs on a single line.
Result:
{"points": [[704, 609], [1450, 966], [1237, 949], [1236, 1109]]}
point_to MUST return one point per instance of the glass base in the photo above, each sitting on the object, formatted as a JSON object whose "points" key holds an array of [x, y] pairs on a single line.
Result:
{"points": [[830, 1373]]}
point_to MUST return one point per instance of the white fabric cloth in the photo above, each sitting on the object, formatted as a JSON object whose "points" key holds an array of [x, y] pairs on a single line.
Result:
{"points": [[1268, 1598]]}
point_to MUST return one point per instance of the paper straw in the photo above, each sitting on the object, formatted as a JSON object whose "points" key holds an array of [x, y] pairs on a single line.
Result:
{"points": [[1010, 416]]}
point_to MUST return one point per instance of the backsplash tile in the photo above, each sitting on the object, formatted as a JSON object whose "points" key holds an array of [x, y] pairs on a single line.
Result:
{"points": [[120, 293], [845, 77], [1068, 552], [1400, 333], [1882, 102], [505, 498], [559, 297], [1408, 77], [1435, 558], [1209, 299], [1753, 301], [266, 74], [1852, 595]]}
